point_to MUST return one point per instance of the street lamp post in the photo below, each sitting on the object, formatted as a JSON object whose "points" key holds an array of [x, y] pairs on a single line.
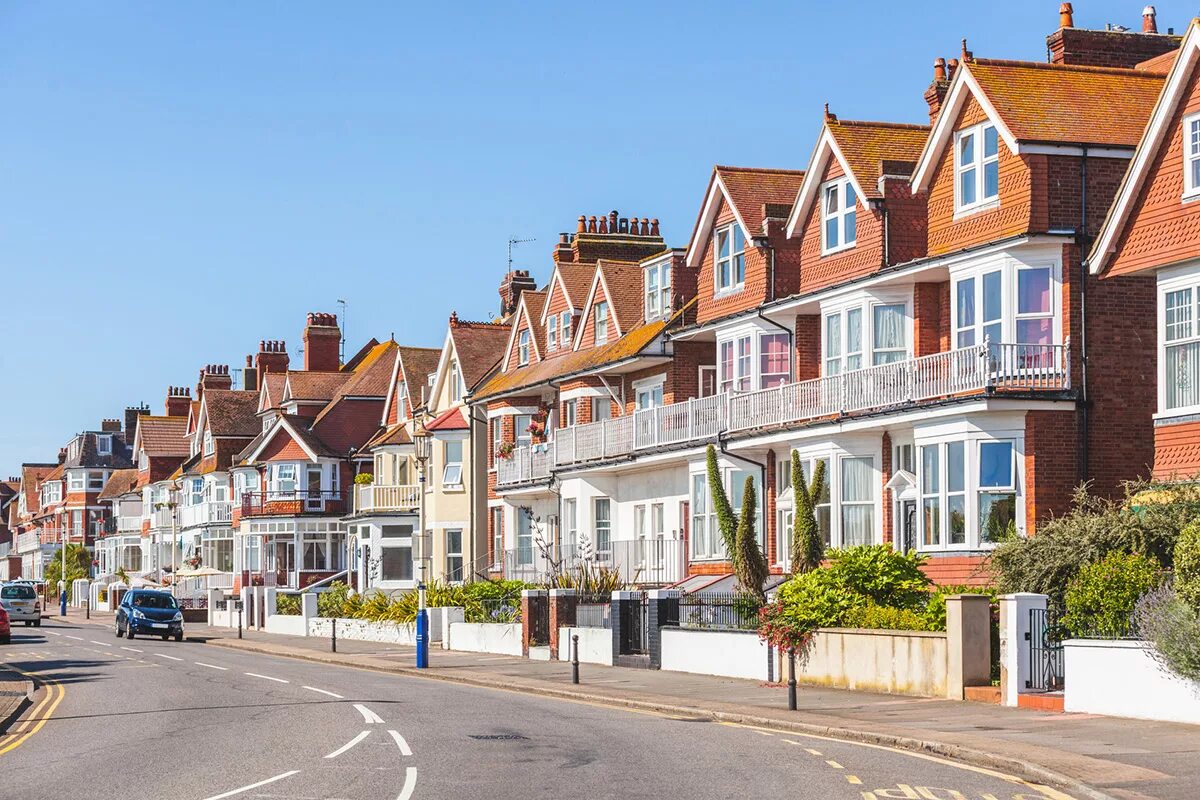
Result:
{"points": [[422, 444], [62, 575]]}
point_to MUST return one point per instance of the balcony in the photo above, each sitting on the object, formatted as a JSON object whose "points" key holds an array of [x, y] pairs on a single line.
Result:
{"points": [[642, 562], [980, 369], [162, 518], [207, 513], [376, 498], [28, 542], [293, 503]]}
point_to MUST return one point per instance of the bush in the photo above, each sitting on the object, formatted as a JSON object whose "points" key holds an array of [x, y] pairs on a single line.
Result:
{"points": [[1172, 627], [287, 604], [935, 607], [1147, 520], [819, 599], [1101, 597], [888, 618], [1187, 565]]}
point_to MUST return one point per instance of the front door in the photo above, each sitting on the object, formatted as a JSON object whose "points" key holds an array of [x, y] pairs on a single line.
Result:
{"points": [[908, 518], [313, 499], [285, 562]]}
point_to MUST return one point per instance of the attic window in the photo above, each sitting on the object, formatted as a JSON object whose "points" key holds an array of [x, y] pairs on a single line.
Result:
{"points": [[658, 290], [209, 447], [839, 216], [731, 257], [455, 383], [976, 167], [552, 333], [104, 445], [1191, 160], [601, 323], [566, 327], [523, 348]]}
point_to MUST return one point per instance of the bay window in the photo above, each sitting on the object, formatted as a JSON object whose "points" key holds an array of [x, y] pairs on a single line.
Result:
{"points": [[976, 167], [968, 492], [1180, 354], [885, 325], [1010, 303], [281, 479], [736, 360], [997, 490], [839, 216], [730, 246], [857, 500]]}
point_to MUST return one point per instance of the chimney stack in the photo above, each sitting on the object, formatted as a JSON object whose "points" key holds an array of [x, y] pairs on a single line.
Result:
{"points": [[1116, 46], [110, 425], [1066, 16], [515, 282], [609, 236], [935, 95], [322, 343], [213, 376], [131, 417], [249, 376], [272, 357], [1149, 23], [179, 401]]}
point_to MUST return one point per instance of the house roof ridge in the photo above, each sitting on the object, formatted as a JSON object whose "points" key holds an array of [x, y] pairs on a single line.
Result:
{"points": [[777, 170], [1129, 72], [866, 123]]}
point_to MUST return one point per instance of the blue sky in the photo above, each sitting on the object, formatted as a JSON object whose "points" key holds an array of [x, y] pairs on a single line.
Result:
{"points": [[183, 179]]}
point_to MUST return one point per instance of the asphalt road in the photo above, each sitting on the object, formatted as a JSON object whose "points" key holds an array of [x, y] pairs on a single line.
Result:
{"points": [[154, 719]]}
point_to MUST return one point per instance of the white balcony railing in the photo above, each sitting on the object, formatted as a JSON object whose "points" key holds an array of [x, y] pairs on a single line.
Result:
{"points": [[968, 370], [126, 524], [162, 518], [207, 513], [28, 542], [376, 497]]}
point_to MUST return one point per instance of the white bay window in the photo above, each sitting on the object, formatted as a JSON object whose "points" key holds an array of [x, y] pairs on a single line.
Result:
{"points": [[738, 357], [968, 493], [848, 330], [1011, 302]]}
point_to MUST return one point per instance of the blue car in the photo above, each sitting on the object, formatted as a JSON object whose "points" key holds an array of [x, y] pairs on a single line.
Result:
{"points": [[149, 613]]}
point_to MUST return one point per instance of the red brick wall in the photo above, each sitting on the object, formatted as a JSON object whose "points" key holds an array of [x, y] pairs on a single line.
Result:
{"points": [[588, 321], [907, 221], [755, 290], [888, 534], [808, 346], [958, 570], [931, 318], [1051, 466], [817, 271]]}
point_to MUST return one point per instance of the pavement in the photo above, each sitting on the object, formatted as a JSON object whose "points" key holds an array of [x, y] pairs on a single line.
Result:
{"points": [[210, 721], [16, 692]]}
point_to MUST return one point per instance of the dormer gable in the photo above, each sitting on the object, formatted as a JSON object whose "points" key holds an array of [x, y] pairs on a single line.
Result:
{"points": [[525, 345], [597, 309], [283, 442]]}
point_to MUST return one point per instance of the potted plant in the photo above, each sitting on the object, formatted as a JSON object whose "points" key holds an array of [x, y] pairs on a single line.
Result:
{"points": [[505, 450]]}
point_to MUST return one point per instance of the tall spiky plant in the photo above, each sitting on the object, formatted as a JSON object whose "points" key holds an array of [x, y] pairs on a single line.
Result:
{"points": [[726, 522], [749, 563], [807, 547]]}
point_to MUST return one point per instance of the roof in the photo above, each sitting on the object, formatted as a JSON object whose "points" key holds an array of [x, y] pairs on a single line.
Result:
{"points": [[451, 420], [1036, 104], [370, 374], [232, 413], [574, 280], [163, 436], [272, 390], [392, 435], [529, 308], [32, 476], [748, 190], [479, 347], [418, 363], [314, 386], [624, 284], [121, 481]]}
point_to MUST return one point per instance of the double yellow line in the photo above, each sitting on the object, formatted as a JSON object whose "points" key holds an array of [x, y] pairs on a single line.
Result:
{"points": [[38, 717]]}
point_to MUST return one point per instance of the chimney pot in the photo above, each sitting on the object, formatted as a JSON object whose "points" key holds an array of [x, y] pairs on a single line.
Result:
{"points": [[582, 224], [654, 227], [939, 69], [1149, 21], [645, 226], [562, 238], [591, 228], [1066, 16], [967, 55], [604, 225], [624, 225], [829, 117], [612, 221], [952, 64]]}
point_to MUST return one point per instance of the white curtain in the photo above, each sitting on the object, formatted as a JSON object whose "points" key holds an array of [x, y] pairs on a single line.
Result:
{"points": [[889, 333], [858, 501], [1183, 375]]}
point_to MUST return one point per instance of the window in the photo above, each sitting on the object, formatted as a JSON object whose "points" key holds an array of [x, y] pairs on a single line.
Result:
{"points": [[1016, 303], [658, 290], [566, 328], [976, 167], [731, 258], [396, 563], [775, 365], [570, 413], [452, 451], [456, 382], [75, 480], [104, 445], [195, 491], [857, 501], [839, 216], [737, 492], [734, 365], [1181, 350], [648, 395], [833, 344], [497, 424], [1035, 312], [997, 490], [846, 334], [943, 494], [708, 381], [497, 535], [209, 444], [524, 538], [601, 408], [95, 481], [282, 478], [244, 482], [402, 400], [888, 339], [1191, 158], [143, 461], [601, 319], [523, 348], [521, 423], [602, 507], [552, 333], [570, 523], [454, 555]]}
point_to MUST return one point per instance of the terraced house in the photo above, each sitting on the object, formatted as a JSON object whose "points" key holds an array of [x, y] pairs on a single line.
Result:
{"points": [[912, 310]]}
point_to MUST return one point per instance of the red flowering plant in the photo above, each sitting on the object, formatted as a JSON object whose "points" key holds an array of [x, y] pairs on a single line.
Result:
{"points": [[780, 626], [505, 450]]}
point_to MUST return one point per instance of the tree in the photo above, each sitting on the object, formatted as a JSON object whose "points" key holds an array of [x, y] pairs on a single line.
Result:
{"points": [[79, 565], [749, 563], [726, 523], [807, 547]]}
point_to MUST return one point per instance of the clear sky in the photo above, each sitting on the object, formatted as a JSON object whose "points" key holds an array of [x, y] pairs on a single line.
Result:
{"points": [[183, 179]]}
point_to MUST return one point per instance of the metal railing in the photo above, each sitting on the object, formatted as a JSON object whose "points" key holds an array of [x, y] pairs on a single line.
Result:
{"points": [[28, 542], [725, 611], [292, 503], [211, 512], [644, 562], [376, 497], [967, 370]]}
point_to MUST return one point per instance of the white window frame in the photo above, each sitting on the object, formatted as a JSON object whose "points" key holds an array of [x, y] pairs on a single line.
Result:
{"points": [[452, 471], [971, 491], [209, 445], [455, 554], [843, 216], [570, 416], [552, 333], [648, 392], [455, 381], [600, 317], [566, 318], [104, 445], [839, 359], [657, 288], [76, 480], [602, 545], [523, 347], [1009, 269], [1191, 156], [979, 163], [1185, 334], [601, 408], [729, 272]]}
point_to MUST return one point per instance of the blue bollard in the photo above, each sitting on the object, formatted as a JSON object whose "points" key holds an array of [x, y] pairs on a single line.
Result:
{"points": [[62, 599], [422, 639]]}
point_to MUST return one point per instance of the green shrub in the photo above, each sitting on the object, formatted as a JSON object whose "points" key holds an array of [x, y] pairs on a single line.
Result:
{"points": [[287, 604], [876, 617], [819, 599], [1101, 597], [935, 606], [881, 575], [1172, 627], [1187, 565]]}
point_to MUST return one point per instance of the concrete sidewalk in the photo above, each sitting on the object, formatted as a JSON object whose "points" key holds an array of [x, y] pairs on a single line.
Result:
{"points": [[1086, 755], [16, 693]]}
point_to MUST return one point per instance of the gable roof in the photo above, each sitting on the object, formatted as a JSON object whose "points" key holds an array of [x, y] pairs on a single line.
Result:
{"points": [[294, 427], [308, 386], [32, 476], [747, 190], [271, 391], [370, 373], [450, 420], [121, 481], [623, 286], [573, 280], [413, 365], [163, 436], [529, 309], [863, 150], [479, 347], [1047, 108], [231, 413], [1154, 137], [392, 435]]}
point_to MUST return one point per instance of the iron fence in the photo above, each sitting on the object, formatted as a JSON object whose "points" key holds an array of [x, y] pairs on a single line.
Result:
{"points": [[724, 611], [1045, 636], [501, 609], [594, 611], [635, 627]]}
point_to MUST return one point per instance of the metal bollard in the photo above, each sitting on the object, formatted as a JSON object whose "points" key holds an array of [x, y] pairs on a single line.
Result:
{"points": [[87, 609], [239, 619], [791, 679], [333, 634], [575, 658]]}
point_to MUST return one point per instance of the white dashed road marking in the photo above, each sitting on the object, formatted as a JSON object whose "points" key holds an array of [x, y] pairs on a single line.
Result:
{"points": [[210, 666], [76, 638], [102, 644], [254, 785], [133, 649], [405, 750], [265, 677], [349, 744], [322, 691], [369, 716], [164, 655]]}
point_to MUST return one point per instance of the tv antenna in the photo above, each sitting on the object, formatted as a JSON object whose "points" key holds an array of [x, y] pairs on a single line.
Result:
{"points": [[511, 242]]}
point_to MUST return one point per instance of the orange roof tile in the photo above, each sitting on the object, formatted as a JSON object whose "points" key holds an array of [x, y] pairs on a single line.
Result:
{"points": [[121, 481], [867, 145], [163, 436], [450, 420], [480, 346], [752, 188]]}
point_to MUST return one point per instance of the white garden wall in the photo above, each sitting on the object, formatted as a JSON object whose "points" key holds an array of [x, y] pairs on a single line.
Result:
{"points": [[1122, 679], [896, 662], [481, 637], [595, 645], [733, 654], [288, 624], [367, 631]]}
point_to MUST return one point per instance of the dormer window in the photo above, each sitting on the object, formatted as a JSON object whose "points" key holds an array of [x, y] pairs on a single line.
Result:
{"points": [[658, 290], [523, 347], [601, 317], [455, 383], [209, 445], [976, 167], [839, 216], [402, 400], [566, 327], [104, 445], [552, 333], [143, 460], [731, 258], [1191, 156]]}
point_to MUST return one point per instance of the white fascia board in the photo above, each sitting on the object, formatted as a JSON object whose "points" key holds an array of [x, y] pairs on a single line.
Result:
{"points": [[826, 145], [716, 192]]}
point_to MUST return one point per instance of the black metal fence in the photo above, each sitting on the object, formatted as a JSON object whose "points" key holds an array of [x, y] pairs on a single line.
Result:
{"points": [[727, 611], [1045, 651], [501, 609], [635, 626], [594, 611], [539, 622]]}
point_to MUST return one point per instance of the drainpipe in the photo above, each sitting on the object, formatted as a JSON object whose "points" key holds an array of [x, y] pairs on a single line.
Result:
{"points": [[763, 242], [1082, 239]]}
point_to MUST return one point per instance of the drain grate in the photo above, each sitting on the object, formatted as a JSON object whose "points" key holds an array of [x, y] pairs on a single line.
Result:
{"points": [[496, 737]]}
